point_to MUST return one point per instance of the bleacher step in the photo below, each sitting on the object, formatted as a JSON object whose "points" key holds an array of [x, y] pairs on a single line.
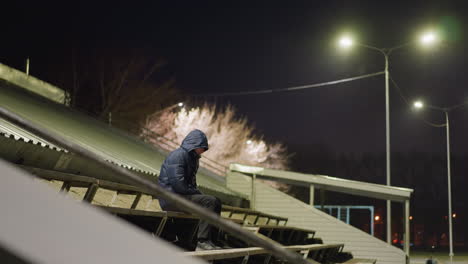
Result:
{"points": [[210, 255], [360, 261]]}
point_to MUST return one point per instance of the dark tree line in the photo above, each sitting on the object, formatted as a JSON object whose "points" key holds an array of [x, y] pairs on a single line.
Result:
{"points": [[120, 85]]}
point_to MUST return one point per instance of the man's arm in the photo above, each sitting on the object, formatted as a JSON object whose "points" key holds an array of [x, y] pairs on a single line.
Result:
{"points": [[176, 173]]}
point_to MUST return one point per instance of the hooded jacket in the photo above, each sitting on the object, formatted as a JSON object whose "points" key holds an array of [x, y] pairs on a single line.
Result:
{"points": [[179, 169]]}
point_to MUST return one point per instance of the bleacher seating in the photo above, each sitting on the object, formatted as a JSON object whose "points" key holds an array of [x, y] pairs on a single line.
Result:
{"points": [[180, 228], [252, 216], [315, 253], [287, 235], [360, 261]]}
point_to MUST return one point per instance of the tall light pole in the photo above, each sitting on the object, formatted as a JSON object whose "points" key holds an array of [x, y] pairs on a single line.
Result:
{"points": [[346, 42], [445, 110]]}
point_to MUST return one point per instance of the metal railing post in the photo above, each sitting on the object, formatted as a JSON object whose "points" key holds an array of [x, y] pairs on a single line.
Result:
{"points": [[253, 194], [311, 194]]}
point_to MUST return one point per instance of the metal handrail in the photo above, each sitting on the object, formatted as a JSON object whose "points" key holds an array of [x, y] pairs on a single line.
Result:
{"points": [[131, 178]]}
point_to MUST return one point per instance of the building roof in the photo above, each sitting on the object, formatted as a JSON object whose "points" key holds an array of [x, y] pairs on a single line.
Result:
{"points": [[10, 130], [108, 142], [32, 84], [372, 190]]}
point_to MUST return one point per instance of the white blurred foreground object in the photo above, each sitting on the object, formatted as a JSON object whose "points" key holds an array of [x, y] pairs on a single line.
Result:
{"points": [[40, 226]]}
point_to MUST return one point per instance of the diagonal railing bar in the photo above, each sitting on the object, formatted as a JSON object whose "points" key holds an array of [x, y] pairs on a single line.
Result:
{"points": [[127, 176]]}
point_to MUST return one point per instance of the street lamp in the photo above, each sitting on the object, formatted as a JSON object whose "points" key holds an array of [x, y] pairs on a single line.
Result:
{"points": [[445, 110], [418, 104], [428, 38], [346, 42], [180, 104]]}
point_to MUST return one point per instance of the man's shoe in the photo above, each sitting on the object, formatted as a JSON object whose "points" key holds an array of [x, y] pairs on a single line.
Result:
{"points": [[223, 245], [206, 245]]}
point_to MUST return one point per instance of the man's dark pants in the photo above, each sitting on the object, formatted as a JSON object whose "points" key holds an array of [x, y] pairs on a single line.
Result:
{"points": [[205, 231]]}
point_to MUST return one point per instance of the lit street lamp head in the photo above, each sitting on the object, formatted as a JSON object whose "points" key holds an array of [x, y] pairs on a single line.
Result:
{"points": [[418, 104], [345, 42], [428, 38]]}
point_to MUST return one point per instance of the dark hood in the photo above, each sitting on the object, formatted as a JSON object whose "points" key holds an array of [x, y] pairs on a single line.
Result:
{"points": [[195, 139]]}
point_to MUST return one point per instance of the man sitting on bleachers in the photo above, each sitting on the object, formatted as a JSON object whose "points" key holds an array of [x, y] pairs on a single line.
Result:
{"points": [[178, 175]]}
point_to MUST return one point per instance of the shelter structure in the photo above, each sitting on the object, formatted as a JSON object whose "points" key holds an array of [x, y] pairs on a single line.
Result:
{"points": [[322, 182]]}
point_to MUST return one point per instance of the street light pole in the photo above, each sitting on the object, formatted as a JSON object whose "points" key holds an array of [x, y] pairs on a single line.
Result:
{"points": [[386, 54], [387, 147], [449, 184], [446, 111]]}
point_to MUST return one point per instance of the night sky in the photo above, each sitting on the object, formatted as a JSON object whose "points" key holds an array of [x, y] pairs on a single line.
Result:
{"points": [[219, 47], [213, 48], [247, 46]]}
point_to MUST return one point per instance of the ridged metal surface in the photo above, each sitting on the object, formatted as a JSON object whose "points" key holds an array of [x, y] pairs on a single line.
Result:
{"points": [[111, 144], [9, 130]]}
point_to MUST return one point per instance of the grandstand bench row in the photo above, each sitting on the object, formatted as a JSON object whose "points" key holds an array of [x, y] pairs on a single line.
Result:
{"points": [[93, 184], [165, 224], [245, 212], [314, 253], [360, 261], [172, 226]]}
